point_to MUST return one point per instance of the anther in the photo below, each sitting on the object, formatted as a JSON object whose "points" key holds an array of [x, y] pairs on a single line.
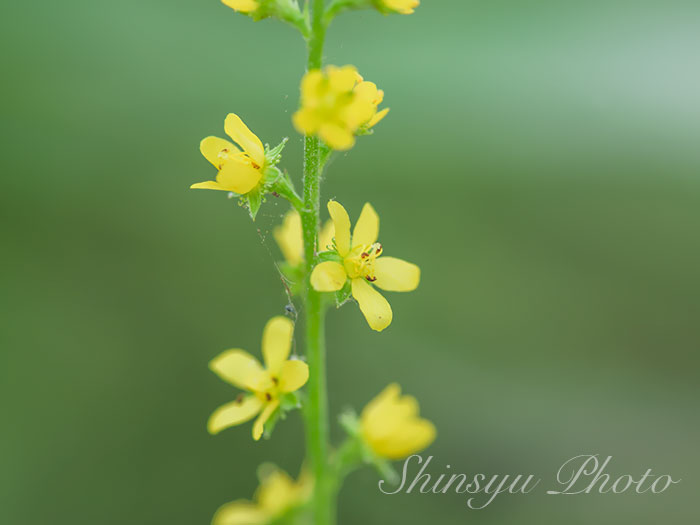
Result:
{"points": [[268, 396], [370, 278]]}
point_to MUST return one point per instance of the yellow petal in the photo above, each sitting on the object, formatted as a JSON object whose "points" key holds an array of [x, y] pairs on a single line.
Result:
{"points": [[289, 238], [367, 91], [216, 150], [244, 6], [234, 413], [311, 85], [325, 237], [357, 113], [208, 185], [239, 512], [412, 437], [240, 369], [306, 121], [277, 342], [238, 176], [293, 375], [328, 276], [373, 305], [391, 426], [378, 116], [341, 223], [277, 493], [259, 425], [396, 275], [246, 139], [366, 228], [405, 7], [337, 137], [341, 79]]}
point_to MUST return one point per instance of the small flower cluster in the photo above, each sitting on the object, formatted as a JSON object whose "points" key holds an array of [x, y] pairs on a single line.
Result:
{"points": [[337, 263]]}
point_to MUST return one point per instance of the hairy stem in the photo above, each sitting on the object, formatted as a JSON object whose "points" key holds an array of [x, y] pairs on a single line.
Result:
{"points": [[317, 404]]}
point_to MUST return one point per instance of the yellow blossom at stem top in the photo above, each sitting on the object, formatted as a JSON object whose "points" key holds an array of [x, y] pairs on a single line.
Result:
{"points": [[238, 171], [404, 7], [243, 6], [266, 386], [391, 426], [359, 261], [336, 104], [276, 494], [290, 237]]}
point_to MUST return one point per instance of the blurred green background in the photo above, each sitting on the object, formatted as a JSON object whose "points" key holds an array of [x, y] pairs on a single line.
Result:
{"points": [[540, 163]]}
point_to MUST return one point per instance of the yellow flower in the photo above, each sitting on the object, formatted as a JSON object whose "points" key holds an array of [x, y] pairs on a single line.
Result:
{"points": [[243, 6], [276, 494], [266, 385], [391, 426], [239, 171], [336, 104], [359, 261], [404, 7], [289, 237]]}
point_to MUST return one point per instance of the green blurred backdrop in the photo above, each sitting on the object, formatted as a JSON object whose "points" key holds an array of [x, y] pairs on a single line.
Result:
{"points": [[540, 163]]}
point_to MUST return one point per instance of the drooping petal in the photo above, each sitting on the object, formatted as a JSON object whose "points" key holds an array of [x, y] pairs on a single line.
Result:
{"points": [[259, 425], [208, 185], [366, 228], [328, 276], [234, 413], [244, 6], [293, 375], [277, 342], [238, 176], [246, 139], [337, 137], [325, 236], [217, 150], [396, 275], [240, 512], [239, 368], [341, 223], [378, 116], [290, 239], [373, 305]]}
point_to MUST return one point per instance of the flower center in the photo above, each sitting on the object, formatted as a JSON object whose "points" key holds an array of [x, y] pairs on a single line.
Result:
{"points": [[360, 261]]}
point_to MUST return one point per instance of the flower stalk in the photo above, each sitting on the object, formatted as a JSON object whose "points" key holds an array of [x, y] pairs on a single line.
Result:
{"points": [[317, 403]]}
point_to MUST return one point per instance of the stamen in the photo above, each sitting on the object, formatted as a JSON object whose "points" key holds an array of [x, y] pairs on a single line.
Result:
{"points": [[268, 396], [370, 278]]}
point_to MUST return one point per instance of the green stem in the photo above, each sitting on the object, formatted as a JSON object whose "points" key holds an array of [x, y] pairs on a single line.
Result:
{"points": [[317, 404]]}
